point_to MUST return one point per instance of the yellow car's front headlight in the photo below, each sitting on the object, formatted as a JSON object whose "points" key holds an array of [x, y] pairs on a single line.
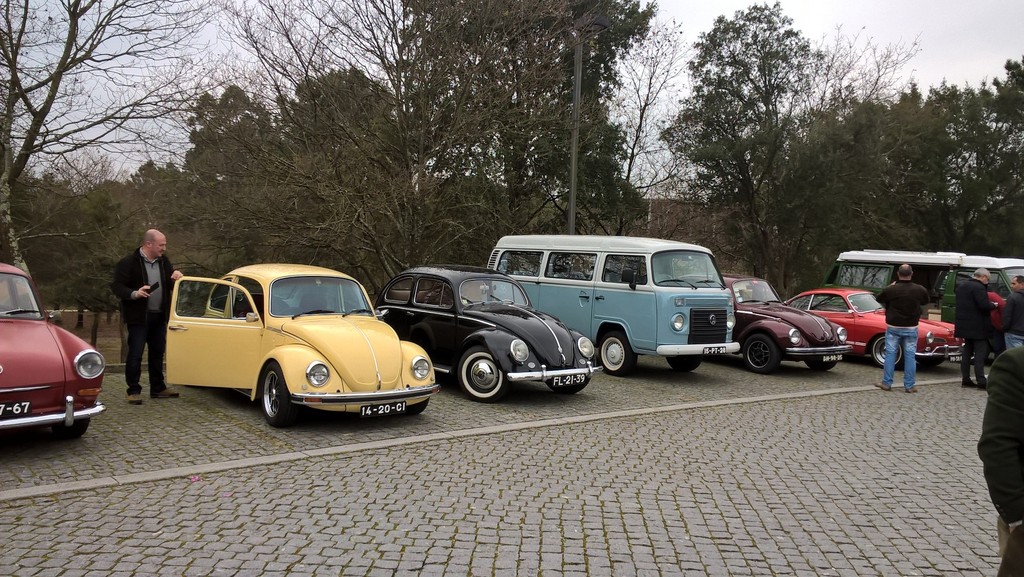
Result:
{"points": [[420, 368], [318, 374]]}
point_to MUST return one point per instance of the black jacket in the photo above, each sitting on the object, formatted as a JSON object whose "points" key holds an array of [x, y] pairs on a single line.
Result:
{"points": [[973, 311], [1001, 446], [1013, 313], [129, 276], [903, 302]]}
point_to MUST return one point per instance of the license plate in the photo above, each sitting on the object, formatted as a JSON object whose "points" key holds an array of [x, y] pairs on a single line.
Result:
{"points": [[384, 409], [955, 358], [15, 409], [830, 358], [714, 350], [568, 380]]}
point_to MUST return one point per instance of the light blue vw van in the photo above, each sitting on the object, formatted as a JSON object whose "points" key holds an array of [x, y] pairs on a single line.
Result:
{"points": [[630, 295]]}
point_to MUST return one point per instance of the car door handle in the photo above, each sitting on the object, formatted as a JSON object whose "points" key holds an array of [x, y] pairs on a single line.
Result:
{"points": [[177, 328], [599, 298], [585, 297]]}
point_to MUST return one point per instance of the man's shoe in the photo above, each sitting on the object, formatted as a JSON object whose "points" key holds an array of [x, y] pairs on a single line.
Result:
{"points": [[983, 386], [913, 389], [968, 384], [164, 394], [883, 386], [134, 399]]}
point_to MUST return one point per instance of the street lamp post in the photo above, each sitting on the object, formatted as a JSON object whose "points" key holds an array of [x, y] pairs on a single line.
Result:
{"points": [[588, 25]]}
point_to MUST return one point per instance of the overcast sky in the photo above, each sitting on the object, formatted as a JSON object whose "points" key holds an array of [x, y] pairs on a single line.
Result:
{"points": [[960, 40]]}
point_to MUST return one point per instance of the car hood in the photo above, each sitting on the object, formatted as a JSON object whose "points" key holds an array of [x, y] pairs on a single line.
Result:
{"points": [[29, 354], [816, 328], [545, 334], [358, 347]]}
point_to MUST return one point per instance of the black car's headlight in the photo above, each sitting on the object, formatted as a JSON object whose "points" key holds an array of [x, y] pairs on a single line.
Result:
{"points": [[586, 347], [89, 364], [794, 336], [520, 351], [841, 333], [317, 374]]}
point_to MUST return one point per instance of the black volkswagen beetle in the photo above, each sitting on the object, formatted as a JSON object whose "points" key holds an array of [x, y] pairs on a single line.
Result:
{"points": [[478, 323]]}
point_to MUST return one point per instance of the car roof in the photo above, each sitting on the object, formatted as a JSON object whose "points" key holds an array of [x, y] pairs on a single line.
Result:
{"points": [[11, 269], [270, 271], [454, 272], [991, 262], [837, 290], [564, 242]]}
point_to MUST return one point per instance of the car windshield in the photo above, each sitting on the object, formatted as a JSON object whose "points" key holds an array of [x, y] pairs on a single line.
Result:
{"points": [[303, 295], [685, 268], [489, 290], [754, 290], [864, 302], [17, 299]]}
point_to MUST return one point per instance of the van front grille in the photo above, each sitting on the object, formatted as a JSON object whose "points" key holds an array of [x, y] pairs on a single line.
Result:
{"points": [[708, 326]]}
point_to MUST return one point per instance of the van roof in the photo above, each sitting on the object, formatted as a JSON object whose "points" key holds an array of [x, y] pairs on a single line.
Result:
{"points": [[594, 242], [957, 259]]}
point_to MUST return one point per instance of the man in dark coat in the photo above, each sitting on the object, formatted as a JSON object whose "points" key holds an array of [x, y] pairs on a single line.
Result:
{"points": [[143, 281], [1001, 449], [973, 323], [1013, 314]]}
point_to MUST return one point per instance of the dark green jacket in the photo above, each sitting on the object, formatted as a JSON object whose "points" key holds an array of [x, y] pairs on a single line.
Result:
{"points": [[1001, 447]]}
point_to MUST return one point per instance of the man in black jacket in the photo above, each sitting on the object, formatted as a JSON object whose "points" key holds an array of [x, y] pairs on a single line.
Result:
{"points": [[1001, 449], [143, 281], [903, 301], [1013, 314], [973, 323]]}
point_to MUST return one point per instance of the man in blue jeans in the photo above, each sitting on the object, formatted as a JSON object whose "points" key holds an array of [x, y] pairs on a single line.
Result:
{"points": [[904, 301]]}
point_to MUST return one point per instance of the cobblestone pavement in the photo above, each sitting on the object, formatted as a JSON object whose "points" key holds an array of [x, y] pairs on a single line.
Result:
{"points": [[717, 472]]}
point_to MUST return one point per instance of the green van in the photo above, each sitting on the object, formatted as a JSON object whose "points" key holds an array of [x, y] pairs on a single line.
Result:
{"points": [[939, 272]]}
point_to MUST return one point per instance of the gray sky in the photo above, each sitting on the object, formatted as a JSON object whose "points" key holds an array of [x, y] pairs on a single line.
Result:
{"points": [[963, 41]]}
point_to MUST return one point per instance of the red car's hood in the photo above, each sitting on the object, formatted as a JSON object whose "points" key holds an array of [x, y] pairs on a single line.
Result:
{"points": [[29, 354]]}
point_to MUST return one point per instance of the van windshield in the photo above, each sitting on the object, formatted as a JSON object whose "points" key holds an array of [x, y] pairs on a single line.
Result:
{"points": [[685, 268]]}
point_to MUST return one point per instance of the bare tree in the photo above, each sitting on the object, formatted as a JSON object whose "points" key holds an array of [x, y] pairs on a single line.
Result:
{"points": [[86, 74]]}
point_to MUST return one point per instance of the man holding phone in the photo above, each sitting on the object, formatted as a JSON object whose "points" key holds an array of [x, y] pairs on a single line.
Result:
{"points": [[143, 281]]}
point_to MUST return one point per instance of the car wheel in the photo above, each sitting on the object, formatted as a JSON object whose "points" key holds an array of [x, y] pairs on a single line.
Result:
{"points": [[275, 400], [481, 377], [77, 429], [417, 408], [616, 355], [684, 363], [877, 348], [761, 354], [820, 365]]}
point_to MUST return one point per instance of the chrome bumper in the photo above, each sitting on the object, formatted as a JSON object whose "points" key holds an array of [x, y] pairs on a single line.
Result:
{"points": [[543, 374], [375, 397], [68, 417], [818, 351], [943, 351]]}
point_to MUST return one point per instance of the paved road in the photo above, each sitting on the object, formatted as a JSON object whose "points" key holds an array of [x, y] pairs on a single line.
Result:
{"points": [[718, 472]]}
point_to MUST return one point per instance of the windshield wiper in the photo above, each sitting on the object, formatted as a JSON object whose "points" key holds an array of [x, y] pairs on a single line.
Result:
{"points": [[313, 312], [709, 281], [19, 312], [677, 280], [357, 311]]}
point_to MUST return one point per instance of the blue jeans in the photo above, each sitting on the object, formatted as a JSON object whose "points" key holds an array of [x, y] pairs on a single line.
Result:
{"points": [[1013, 340], [905, 337]]}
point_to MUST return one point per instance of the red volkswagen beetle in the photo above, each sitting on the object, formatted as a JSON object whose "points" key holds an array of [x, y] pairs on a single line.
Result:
{"points": [[48, 376], [864, 319]]}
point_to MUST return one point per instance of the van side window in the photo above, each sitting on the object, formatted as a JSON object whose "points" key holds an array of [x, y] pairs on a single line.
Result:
{"points": [[614, 264], [864, 275], [572, 265], [520, 262], [434, 292]]}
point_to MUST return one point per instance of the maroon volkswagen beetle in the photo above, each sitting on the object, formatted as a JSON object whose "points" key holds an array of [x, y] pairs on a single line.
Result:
{"points": [[769, 331], [48, 376]]}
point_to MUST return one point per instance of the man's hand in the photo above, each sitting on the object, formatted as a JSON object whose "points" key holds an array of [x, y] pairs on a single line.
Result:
{"points": [[176, 275]]}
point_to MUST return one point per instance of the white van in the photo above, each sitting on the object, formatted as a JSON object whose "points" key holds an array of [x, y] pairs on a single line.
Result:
{"points": [[632, 296]]}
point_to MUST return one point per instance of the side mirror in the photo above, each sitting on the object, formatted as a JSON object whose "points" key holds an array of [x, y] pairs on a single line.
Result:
{"points": [[252, 317], [629, 276], [380, 314], [55, 317]]}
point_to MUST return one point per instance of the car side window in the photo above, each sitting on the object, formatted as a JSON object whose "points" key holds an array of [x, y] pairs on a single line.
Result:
{"points": [[434, 293], [829, 303], [571, 265], [864, 275], [399, 291], [995, 284], [198, 299], [801, 302], [520, 262], [242, 304], [614, 264]]}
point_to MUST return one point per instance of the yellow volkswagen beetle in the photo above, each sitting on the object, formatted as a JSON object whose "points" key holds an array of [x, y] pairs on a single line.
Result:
{"points": [[290, 336]]}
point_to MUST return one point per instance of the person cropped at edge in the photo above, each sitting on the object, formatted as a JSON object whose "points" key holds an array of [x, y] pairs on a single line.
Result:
{"points": [[903, 301], [998, 341], [973, 323], [1001, 449], [1013, 314], [146, 310]]}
